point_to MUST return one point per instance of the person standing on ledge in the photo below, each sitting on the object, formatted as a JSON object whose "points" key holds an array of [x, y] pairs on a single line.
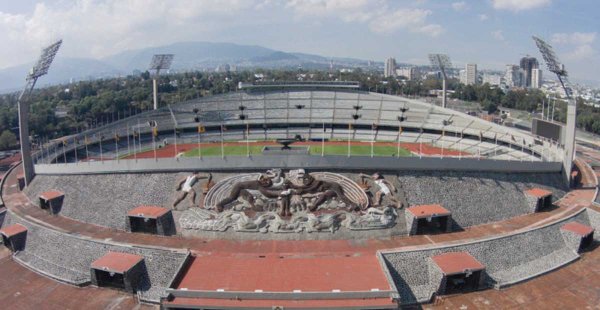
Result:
{"points": [[186, 187]]}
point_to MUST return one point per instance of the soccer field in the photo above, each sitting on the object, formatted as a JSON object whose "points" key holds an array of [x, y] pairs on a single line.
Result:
{"points": [[364, 150], [241, 150]]}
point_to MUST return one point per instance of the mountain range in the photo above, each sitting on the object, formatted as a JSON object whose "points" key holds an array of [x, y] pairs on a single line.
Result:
{"points": [[188, 56]]}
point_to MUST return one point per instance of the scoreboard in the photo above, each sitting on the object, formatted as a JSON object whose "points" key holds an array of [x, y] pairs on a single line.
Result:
{"points": [[548, 129]]}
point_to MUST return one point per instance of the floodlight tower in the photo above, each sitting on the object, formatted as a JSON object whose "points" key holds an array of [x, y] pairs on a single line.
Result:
{"points": [[159, 62], [557, 68], [40, 68], [442, 62]]}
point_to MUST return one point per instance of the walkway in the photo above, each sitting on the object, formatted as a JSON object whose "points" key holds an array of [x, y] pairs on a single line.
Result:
{"points": [[17, 202], [239, 263], [21, 288], [576, 286]]}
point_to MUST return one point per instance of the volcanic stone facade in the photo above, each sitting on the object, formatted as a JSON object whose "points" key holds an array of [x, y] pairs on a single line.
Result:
{"points": [[105, 199], [473, 198], [508, 260], [478, 198], [68, 258]]}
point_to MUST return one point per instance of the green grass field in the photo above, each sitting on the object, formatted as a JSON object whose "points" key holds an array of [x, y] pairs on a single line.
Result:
{"points": [[229, 150], [240, 150], [364, 150]]}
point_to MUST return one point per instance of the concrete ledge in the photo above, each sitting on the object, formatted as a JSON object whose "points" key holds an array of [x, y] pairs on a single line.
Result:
{"points": [[332, 162], [414, 292], [533, 276], [388, 275], [60, 279], [452, 244], [78, 252], [277, 295]]}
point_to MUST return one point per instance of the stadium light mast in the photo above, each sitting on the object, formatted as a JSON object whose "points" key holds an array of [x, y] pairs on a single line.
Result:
{"points": [[159, 62], [557, 68], [39, 69], [442, 62]]}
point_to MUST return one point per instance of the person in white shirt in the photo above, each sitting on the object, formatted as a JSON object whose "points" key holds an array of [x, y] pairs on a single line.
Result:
{"points": [[383, 187], [186, 187]]}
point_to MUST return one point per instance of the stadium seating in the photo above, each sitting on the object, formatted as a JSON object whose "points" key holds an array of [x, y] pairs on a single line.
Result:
{"points": [[329, 107]]}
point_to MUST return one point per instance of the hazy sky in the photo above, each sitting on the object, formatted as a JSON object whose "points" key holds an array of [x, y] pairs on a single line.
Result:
{"points": [[491, 33]]}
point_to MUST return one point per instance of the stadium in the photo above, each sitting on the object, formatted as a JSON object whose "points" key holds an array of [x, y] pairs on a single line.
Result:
{"points": [[300, 195]]}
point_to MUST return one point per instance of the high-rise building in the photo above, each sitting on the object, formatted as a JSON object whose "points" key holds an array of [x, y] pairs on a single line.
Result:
{"points": [[492, 79], [527, 65], [471, 74], [411, 73], [462, 76], [536, 78], [513, 76], [390, 67]]}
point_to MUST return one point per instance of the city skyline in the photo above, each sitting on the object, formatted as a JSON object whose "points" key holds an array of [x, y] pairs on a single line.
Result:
{"points": [[498, 32]]}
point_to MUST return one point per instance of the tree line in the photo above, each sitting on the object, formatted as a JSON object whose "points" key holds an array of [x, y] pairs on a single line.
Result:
{"points": [[86, 104]]}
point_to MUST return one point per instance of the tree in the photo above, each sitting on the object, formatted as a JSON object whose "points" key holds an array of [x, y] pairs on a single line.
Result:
{"points": [[145, 75], [97, 101], [489, 106], [7, 140]]}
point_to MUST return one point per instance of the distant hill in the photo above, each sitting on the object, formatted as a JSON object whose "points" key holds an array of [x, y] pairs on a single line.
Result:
{"points": [[276, 56], [188, 56], [63, 70]]}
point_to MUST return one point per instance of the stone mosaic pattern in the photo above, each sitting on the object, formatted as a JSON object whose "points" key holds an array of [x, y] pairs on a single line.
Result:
{"points": [[473, 198], [508, 260], [68, 258], [478, 198], [105, 199]]}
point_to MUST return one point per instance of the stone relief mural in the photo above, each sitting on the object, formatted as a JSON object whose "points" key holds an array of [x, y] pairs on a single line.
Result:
{"points": [[292, 202]]}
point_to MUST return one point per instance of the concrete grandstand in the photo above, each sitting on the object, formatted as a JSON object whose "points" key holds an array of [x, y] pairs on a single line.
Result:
{"points": [[300, 230], [268, 115]]}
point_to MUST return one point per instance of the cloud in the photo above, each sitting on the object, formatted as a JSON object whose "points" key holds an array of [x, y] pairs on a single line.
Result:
{"points": [[580, 44], [483, 17], [433, 30], [498, 35], [459, 6], [92, 28], [519, 5], [413, 20], [347, 10], [576, 38], [582, 52], [99, 28], [379, 16]]}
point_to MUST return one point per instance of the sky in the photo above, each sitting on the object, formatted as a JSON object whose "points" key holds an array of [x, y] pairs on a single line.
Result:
{"points": [[490, 33]]}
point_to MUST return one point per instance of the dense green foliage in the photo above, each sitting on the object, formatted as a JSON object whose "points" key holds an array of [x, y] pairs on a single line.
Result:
{"points": [[7, 140], [88, 103], [588, 117]]}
